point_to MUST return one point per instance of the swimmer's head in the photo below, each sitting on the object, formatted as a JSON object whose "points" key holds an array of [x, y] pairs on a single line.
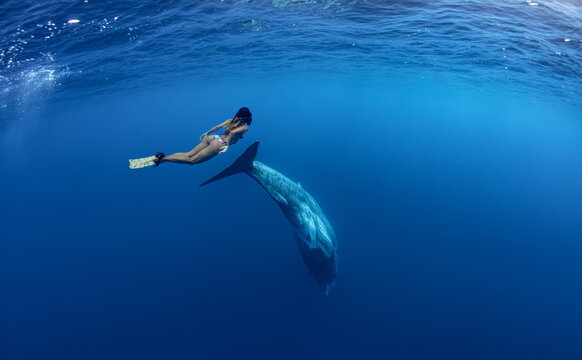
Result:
{"points": [[244, 115]]}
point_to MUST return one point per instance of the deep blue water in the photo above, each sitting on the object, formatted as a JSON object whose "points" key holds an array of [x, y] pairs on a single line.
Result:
{"points": [[441, 139]]}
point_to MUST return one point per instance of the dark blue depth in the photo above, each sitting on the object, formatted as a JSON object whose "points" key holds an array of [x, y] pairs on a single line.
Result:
{"points": [[441, 140]]}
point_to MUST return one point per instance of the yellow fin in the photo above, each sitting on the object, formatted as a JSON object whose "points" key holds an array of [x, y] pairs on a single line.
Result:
{"points": [[142, 162]]}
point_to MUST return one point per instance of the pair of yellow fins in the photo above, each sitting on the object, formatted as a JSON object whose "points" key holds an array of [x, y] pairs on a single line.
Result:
{"points": [[143, 162]]}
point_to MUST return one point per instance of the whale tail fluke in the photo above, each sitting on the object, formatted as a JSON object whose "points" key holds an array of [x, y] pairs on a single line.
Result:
{"points": [[242, 164]]}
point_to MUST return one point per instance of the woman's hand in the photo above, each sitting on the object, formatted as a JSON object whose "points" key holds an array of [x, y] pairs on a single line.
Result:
{"points": [[203, 136], [223, 149]]}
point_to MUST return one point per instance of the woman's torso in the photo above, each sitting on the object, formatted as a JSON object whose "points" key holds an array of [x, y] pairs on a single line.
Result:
{"points": [[232, 138]]}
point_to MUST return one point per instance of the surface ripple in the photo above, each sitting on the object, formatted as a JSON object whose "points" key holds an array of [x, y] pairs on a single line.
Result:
{"points": [[95, 47]]}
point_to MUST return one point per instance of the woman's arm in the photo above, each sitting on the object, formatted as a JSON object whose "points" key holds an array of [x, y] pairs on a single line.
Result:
{"points": [[224, 124], [240, 129], [236, 133]]}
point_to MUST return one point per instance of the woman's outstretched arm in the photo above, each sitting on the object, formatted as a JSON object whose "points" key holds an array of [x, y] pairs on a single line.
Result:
{"points": [[220, 126], [236, 133]]}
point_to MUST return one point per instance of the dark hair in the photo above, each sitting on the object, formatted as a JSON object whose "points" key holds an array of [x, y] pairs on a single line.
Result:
{"points": [[244, 114]]}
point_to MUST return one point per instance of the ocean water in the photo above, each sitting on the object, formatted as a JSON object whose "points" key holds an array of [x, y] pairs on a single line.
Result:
{"points": [[441, 139]]}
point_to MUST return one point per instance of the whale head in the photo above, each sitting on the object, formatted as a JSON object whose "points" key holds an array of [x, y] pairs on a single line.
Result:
{"points": [[322, 265], [317, 244]]}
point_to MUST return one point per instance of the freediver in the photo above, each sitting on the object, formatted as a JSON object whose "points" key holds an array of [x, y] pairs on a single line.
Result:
{"points": [[209, 146]]}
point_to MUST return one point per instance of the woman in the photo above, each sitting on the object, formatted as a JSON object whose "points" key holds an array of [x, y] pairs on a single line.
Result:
{"points": [[210, 145]]}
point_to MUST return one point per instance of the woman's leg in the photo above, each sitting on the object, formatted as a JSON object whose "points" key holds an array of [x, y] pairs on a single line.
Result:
{"points": [[179, 158], [204, 143], [206, 154], [208, 147]]}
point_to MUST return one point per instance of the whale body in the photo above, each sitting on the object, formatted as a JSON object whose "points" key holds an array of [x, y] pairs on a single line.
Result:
{"points": [[312, 231]]}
